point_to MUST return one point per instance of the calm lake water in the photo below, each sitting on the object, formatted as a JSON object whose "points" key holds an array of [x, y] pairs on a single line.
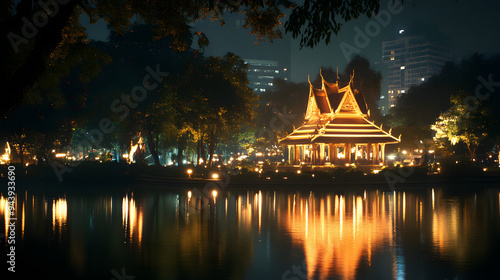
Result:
{"points": [[88, 232]]}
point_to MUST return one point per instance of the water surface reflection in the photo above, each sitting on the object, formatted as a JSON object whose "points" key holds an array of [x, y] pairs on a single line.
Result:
{"points": [[431, 233]]}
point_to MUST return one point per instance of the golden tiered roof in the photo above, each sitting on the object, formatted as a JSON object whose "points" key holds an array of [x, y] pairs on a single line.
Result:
{"points": [[337, 115]]}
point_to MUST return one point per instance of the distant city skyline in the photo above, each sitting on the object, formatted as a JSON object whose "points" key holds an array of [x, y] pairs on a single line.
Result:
{"points": [[261, 74], [410, 60]]}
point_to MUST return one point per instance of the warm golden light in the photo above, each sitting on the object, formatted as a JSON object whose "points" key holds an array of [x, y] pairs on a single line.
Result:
{"points": [[214, 193], [337, 235], [189, 194], [215, 176], [59, 213], [132, 219]]}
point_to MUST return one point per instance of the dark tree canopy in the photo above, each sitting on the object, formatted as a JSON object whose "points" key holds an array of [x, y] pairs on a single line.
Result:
{"points": [[34, 36]]}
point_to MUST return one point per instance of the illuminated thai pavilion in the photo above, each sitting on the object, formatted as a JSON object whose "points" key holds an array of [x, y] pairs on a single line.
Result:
{"points": [[337, 130]]}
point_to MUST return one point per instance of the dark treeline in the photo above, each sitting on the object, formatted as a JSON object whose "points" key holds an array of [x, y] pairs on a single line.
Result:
{"points": [[137, 88]]}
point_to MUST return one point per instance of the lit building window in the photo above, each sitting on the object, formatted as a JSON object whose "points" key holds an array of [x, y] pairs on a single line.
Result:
{"points": [[403, 91], [423, 79], [392, 57], [402, 67]]}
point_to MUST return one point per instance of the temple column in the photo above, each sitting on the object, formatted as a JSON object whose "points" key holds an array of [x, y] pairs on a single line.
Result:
{"points": [[289, 149], [345, 153], [329, 151], [382, 152], [355, 152], [297, 154], [375, 154], [322, 154], [303, 158], [368, 152], [348, 153], [334, 154], [313, 154]]}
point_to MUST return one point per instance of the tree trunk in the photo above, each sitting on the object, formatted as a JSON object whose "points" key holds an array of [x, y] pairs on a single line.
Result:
{"points": [[211, 147], [152, 148], [211, 150], [180, 148], [203, 152], [472, 151], [198, 152]]}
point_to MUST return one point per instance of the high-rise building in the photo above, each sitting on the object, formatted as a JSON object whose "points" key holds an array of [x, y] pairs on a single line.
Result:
{"points": [[411, 60], [261, 74]]}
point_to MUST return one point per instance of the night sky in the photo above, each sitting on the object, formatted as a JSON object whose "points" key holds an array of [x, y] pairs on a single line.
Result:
{"points": [[466, 26]]}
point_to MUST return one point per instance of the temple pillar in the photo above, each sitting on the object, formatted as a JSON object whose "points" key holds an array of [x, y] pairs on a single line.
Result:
{"points": [[303, 157], [348, 153], [382, 152], [375, 154], [313, 154], [322, 154], [355, 152], [334, 154], [290, 151], [329, 151], [368, 152], [297, 154]]}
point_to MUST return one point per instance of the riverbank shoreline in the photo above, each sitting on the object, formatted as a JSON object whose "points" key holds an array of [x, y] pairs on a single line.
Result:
{"points": [[236, 183]]}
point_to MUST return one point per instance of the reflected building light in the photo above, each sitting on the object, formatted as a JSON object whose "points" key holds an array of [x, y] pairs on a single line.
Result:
{"points": [[23, 222], [140, 226], [328, 249], [125, 212], [4, 206], [59, 213], [132, 219], [404, 207], [260, 212], [433, 198]]}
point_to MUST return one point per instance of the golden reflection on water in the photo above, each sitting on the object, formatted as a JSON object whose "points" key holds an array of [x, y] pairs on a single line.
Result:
{"points": [[337, 234], [59, 214], [132, 219]]}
